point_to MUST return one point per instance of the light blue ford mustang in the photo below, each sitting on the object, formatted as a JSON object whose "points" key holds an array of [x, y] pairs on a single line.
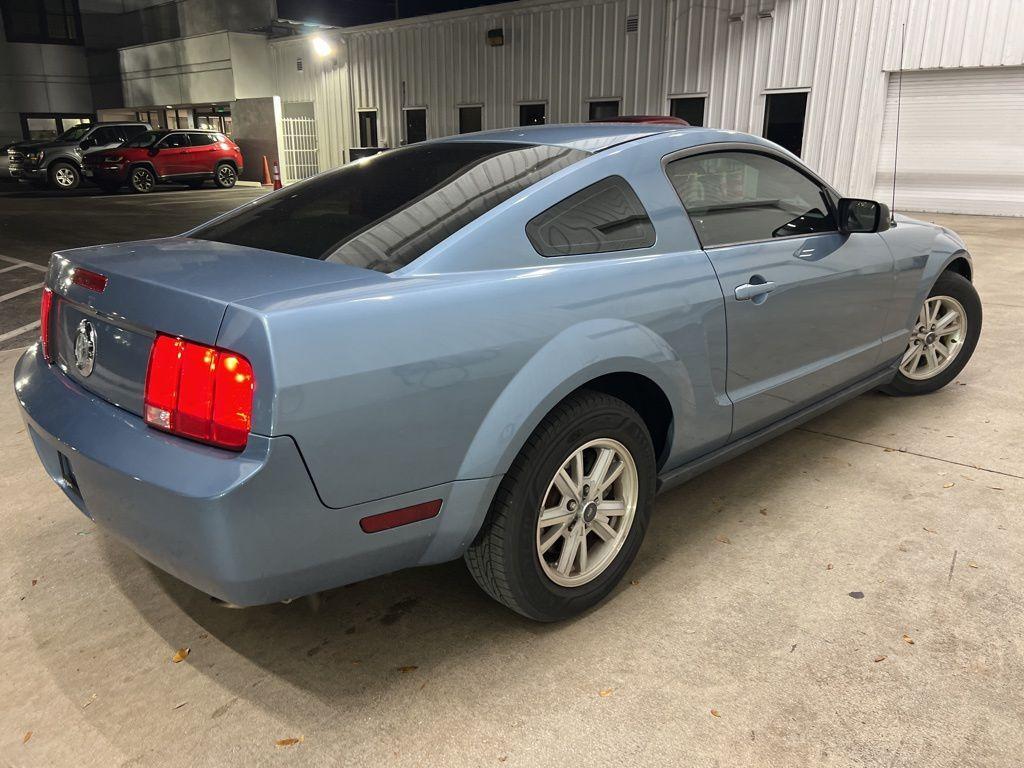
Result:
{"points": [[497, 346]]}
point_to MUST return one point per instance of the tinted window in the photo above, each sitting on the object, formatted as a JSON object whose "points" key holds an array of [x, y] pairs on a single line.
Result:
{"points": [[147, 139], [133, 130], [174, 141], [108, 135], [606, 216], [737, 197], [386, 211], [202, 139]]}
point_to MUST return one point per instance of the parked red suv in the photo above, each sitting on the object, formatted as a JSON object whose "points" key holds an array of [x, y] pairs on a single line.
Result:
{"points": [[181, 156]]}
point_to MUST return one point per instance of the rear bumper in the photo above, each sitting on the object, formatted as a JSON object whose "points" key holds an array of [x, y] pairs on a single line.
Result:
{"points": [[248, 527]]}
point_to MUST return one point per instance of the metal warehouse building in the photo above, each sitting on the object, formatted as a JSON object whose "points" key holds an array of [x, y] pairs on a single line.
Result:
{"points": [[820, 76]]}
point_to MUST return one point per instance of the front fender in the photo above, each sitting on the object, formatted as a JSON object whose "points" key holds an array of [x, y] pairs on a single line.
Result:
{"points": [[580, 353]]}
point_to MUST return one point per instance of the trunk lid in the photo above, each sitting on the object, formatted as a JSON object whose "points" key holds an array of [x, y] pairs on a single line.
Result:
{"points": [[177, 286]]}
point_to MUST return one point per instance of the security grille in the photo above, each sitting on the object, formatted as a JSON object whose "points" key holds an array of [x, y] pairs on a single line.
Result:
{"points": [[300, 148], [632, 23]]}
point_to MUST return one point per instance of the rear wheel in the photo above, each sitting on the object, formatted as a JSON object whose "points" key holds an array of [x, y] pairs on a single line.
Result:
{"points": [[943, 339], [225, 176], [571, 512], [64, 176], [141, 179]]}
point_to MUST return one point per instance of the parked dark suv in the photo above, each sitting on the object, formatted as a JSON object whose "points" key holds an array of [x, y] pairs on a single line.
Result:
{"points": [[57, 163], [188, 156]]}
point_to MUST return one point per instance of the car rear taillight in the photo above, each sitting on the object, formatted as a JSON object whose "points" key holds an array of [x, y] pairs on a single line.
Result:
{"points": [[200, 392], [86, 278], [45, 312]]}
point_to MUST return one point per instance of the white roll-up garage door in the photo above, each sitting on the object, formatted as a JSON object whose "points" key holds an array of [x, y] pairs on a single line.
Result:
{"points": [[961, 142]]}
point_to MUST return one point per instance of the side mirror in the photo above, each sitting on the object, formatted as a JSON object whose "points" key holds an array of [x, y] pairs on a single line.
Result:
{"points": [[856, 215]]}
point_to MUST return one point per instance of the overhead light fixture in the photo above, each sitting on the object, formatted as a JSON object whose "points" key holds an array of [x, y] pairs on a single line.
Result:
{"points": [[321, 47]]}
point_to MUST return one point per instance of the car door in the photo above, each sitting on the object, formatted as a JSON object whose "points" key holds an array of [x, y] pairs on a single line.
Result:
{"points": [[805, 304], [201, 153], [171, 158]]}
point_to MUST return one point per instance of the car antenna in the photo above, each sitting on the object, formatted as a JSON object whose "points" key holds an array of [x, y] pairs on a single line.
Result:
{"points": [[896, 145]]}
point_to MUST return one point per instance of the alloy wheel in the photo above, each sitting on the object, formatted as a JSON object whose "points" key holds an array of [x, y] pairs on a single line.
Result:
{"points": [[226, 175], [142, 180], [586, 512], [64, 176], [937, 338]]}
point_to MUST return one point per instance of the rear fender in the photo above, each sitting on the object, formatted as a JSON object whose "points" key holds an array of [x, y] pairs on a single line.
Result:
{"points": [[579, 354]]}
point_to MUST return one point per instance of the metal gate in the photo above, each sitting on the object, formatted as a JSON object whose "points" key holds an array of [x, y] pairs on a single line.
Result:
{"points": [[300, 148]]}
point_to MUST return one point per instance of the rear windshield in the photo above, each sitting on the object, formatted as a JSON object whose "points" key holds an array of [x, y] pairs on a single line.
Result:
{"points": [[385, 211]]}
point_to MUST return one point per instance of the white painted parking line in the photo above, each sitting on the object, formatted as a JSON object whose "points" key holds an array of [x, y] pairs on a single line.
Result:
{"points": [[20, 291], [10, 268], [21, 263], [18, 331]]}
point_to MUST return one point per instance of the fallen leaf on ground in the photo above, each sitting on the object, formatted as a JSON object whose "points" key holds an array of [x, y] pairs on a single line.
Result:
{"points": [[828, 567], [26, 737], [34, 582], [763, 511], [722, 539], [634, 582], [930, 530], [90, 701], [908, 640], [408, 668], [972, 565], [949, 485], [714, 713], [605, 693], [888, 450], [879, 658], [180, 655], [179, 706], [289, 742], [995, 488]]}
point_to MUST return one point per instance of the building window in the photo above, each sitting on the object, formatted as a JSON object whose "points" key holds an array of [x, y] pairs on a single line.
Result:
{"points": [[533, 114], [367, 128], [471, 119], [604, 217], [688, 108], [45, 127], [603, 110], [42, 21], [784, 119], [415, 125]]}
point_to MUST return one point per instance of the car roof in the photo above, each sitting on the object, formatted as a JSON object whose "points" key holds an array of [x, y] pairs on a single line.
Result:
{"points": [[589, 137]]}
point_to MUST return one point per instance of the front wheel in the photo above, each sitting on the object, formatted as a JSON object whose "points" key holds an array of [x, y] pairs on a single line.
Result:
{"points": [[943, 338], [141, 180], [570, 514], [64, 176]]}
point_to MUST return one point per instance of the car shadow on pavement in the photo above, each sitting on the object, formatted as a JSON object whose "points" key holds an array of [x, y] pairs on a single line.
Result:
{"points": [[352, 642]]}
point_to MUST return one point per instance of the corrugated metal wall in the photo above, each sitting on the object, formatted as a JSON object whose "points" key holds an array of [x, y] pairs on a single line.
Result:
{"points": [[566, 53]]}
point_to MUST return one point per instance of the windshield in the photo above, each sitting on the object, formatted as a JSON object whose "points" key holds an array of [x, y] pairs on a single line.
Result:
{"points": [[74, 134], [387, 210], [147, 139]]}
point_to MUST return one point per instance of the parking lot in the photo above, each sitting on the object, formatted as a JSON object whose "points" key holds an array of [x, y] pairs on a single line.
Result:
{"points": [[848, 594], [35, 223]]}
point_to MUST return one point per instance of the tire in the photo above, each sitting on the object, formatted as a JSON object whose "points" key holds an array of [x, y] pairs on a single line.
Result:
{"points": [[952, 294], [225, 175], [64, 176], [141, 179], [505, 559]]}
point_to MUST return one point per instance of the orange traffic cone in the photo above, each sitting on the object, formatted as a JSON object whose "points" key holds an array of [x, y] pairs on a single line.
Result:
{"points": [[266, 173], [277, 176]]}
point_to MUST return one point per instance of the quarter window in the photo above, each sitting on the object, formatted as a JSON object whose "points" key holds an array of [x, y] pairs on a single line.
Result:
{"points": [[604, 217], [737, 197], [202, 139]]}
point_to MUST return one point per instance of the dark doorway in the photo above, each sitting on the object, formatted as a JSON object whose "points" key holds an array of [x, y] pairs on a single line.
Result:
{"points": [[532, 114], [415, 126], [688, 108], [471, 119], [784, 115], [368, 128], [603, 110]]}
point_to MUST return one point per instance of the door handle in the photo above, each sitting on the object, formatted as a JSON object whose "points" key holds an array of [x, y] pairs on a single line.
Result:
{"points": [[755, 290]]}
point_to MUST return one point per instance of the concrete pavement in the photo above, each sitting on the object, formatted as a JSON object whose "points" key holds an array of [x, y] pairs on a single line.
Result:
{"points": [[849, 594]]}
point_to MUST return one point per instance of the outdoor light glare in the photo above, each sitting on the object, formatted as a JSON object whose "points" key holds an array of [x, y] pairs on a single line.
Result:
{"points": [[321, 47]]}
